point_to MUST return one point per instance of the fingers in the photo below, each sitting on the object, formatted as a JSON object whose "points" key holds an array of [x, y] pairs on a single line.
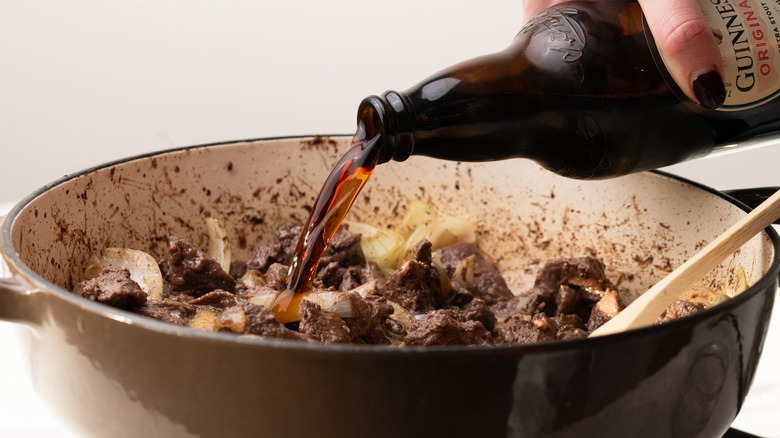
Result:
{"points": [[688, 47], [685, 41]]}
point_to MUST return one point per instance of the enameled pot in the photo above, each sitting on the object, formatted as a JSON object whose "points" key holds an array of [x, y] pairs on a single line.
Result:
{"points": [[109, 373]]}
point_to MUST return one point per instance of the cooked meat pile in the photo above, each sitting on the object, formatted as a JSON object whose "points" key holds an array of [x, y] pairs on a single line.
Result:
{"points": [[452, 296]]}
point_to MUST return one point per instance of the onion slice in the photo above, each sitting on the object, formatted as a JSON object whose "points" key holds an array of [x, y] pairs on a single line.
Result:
{"points": [[219, 246], [337, 303], [419, 215], [451, 230], [265, 299], [252, 279], [742, 282], [205, 319], [143, 268], [384, 247]]}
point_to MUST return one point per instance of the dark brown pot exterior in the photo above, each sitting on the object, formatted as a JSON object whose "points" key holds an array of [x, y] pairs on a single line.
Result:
{"points": [[109, 373], [108, 377]]}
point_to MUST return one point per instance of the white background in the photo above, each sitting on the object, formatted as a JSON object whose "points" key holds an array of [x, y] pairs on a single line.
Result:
{"points": [[85, 82]]}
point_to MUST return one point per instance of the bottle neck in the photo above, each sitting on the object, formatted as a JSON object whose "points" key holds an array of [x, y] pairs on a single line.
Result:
{"points": [[389, 117]]}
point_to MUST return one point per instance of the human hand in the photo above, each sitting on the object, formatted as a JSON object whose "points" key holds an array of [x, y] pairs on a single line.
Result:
{"points": [[684, 40]]}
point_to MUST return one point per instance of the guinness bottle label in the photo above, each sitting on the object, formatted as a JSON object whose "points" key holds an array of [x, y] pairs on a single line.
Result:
{"points": [[748, 34]]}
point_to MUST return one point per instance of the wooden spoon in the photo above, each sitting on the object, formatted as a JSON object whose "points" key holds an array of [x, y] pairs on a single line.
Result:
{"points": [[646, 309]]}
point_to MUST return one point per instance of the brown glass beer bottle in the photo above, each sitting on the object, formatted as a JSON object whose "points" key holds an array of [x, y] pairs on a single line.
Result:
{"points": [[582, 91]]}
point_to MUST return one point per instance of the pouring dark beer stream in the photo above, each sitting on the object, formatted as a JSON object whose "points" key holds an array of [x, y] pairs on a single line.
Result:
{"points": [[338, 193]]}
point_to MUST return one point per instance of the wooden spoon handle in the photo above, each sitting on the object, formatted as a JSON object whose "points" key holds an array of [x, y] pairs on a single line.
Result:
{"points": [[646, 309]]}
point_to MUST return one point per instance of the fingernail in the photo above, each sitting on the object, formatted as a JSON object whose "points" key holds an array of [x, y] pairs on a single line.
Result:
{"points": [[709, 89]]}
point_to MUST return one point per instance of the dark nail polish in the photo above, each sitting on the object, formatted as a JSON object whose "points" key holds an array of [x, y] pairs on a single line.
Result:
{"points": [[709, 89]]}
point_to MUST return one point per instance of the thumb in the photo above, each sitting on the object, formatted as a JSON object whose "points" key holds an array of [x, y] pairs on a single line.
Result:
{"points": [[688, 47]]}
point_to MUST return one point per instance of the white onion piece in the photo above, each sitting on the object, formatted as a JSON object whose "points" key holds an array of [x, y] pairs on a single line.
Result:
{"points": [[700, 294], [205, 319], [419, 214], [402, 316], [337, 303], [366, 289], [265, 300], [384, 247], [233, 319], [219, 246], [389, 249], [464, 272], [143, 268], [451, 230], [721, 298], [742, 282], [252, 279], [741, 286]]}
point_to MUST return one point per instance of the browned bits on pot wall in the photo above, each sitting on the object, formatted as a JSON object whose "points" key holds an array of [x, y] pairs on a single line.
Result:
{"points": [[534, 219]]}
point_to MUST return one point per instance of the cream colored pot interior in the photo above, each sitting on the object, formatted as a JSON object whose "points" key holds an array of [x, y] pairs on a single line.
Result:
{"points": [[641, 226]]}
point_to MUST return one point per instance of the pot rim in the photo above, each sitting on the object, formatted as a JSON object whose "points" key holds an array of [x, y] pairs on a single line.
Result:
{"points": [[130, 318]]}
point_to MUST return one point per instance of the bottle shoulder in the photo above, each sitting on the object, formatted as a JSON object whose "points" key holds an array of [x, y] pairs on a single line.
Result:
{"points": [[583, 48]]}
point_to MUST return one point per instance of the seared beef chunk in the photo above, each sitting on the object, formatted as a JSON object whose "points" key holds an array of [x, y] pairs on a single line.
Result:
{"points": [[586, 273], [572, 285], [343, 266], [261, 321], [566, 300], [488, 283], [521, 329], [566, 293], [679, 309], [335, 276], [477, 310], [323, 326], [410, 287], [218, 299], [188, 269], [417, 286], [113, 287], [604, 310], [266, 255], [569, 327], [351, 278], [371, 272], [344, 249], [276, 276], [280, 250], [524, 303], [370, 324], [328, 276], [447, 327], [174, 309], [288, 237]]}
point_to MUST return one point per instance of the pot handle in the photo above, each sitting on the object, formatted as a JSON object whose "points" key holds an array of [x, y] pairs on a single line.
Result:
{"points": [[16, 301], [753, 196], [16, 297]]}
